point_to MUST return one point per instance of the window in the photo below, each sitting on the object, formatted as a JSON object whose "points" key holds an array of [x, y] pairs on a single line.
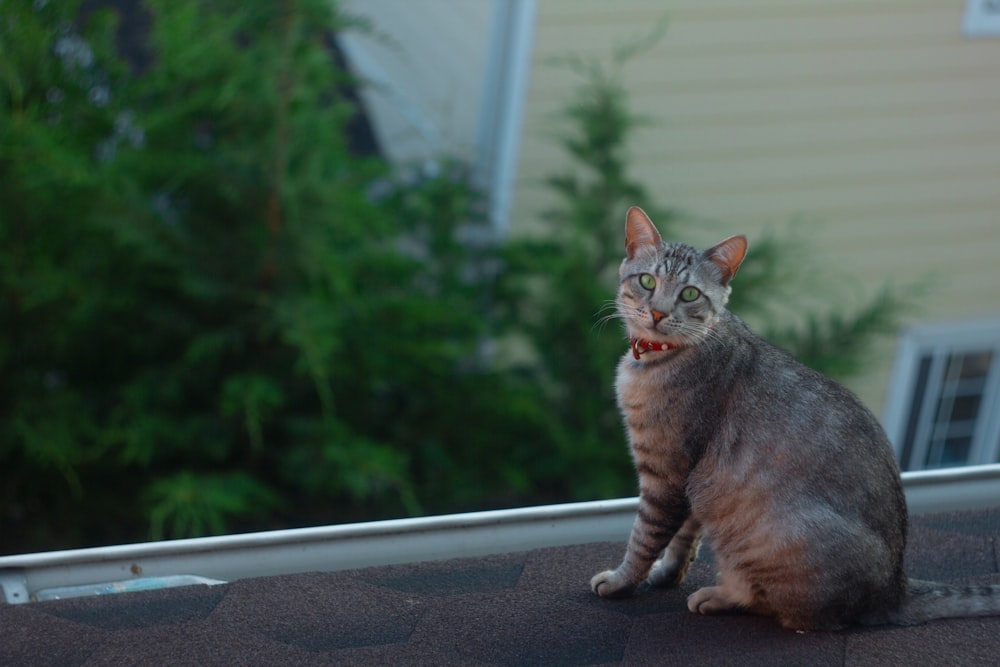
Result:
{"points": [[942, 408]]}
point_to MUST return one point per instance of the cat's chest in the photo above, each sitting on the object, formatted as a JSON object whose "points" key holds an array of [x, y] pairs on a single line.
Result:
{"points": [[651, 396]]}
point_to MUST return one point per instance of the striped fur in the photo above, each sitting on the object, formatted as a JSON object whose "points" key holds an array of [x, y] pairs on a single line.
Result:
{"points": [[785, 472]]}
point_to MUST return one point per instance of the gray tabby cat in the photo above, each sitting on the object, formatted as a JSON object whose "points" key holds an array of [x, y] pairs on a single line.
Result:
{"points": [[785, 472]]}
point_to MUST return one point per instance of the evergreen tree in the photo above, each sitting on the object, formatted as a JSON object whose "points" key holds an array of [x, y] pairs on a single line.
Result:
{"points": [[212, 315]]}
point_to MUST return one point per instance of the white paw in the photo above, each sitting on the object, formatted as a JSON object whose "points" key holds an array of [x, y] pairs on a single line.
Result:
{"points": [[709, 600], [610, 584]]}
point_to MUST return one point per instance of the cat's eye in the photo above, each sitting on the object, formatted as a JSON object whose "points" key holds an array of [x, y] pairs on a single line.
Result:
{"points": [[647, 281], [689, 294]]}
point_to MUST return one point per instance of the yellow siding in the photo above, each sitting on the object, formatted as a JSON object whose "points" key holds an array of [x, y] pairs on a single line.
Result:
{"points": [[874, 124]]}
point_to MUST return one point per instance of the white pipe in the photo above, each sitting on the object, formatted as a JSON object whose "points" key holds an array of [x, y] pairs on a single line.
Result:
{"points": [[502, 111]]}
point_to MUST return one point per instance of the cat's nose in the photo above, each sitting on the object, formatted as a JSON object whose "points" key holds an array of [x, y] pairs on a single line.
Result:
{"points": [[657, 316]]}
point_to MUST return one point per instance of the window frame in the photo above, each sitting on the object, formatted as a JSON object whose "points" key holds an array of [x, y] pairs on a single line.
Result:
{"points": [[909, 433]]}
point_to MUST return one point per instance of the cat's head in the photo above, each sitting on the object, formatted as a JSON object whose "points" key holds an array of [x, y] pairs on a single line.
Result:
{"points": [[671, 293]]}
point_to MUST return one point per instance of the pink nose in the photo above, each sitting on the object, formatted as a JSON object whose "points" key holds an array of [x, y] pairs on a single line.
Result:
{"points": [[657, 316]]}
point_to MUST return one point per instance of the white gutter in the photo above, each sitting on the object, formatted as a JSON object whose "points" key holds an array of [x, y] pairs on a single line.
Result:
{"points": [[501, 117], [329, 548]]}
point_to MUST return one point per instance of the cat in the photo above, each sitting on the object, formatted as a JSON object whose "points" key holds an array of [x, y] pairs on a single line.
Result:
{"points": [[786, 473]]}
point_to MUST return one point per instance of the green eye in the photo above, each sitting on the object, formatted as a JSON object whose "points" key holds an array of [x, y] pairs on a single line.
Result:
{"points": [[647, 281], [689, 294]]}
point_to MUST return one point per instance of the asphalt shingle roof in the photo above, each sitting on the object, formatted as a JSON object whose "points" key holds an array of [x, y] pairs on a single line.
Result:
{"points": [[527, 608]]}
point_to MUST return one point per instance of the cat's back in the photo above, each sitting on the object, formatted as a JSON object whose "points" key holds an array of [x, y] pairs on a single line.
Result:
{"points": [[802, 456], [802, 451], [783, 404]]}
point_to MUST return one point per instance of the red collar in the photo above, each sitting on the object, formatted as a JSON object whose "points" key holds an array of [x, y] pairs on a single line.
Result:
{"points": [[638, 343]]}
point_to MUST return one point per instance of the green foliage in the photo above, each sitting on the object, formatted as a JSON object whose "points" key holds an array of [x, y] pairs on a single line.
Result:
{"points": [[838, 343], [213, 317], [561, 282], [187, 503], [209, 319]]}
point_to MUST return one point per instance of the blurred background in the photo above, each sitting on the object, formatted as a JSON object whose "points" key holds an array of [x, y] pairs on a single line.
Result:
{"points": [[278, 264]]}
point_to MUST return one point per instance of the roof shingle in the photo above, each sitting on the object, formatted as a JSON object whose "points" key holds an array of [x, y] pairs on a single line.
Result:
{"points": [[527, 608]]}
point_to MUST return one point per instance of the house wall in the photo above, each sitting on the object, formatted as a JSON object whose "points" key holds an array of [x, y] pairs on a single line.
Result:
{"points": [[869, 127], [424, 64], [446, 79]]}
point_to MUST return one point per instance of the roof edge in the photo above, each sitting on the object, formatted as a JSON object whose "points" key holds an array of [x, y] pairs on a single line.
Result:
{"points": [[328, 548]]}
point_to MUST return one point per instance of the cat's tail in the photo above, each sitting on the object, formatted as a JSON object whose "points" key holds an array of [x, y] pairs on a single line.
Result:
{"points": [[927, 600]]}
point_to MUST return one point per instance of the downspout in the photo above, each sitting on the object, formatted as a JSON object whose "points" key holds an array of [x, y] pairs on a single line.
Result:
{"points": [[508, 73]]}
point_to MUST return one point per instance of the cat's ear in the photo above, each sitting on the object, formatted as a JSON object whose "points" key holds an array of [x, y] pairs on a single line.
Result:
{"points": [[639, 231], [728, 256]]}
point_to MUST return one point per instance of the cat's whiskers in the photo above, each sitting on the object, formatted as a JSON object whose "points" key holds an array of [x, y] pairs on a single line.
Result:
{"points": [[637, 320], [629, 314], [615, 314], [708, 332]]}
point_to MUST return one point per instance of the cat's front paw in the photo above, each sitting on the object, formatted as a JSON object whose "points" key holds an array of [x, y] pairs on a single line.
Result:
{"points": [[611, 584], [667, 573], [712, 600]]}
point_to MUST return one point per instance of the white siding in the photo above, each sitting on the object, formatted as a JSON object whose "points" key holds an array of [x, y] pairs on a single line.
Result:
{"points": [[424, 62]]}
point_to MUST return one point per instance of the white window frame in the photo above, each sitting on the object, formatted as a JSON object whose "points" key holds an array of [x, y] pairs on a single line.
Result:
{"points": [[938, 342]]}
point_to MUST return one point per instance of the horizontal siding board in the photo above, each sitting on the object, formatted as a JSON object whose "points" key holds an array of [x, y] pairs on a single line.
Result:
{"points": [[686, 34], [919, 230], [943, 102], [965, 131], [760, 75], [717, 104], [859, 173], [631, 12], [858, 204], [968, 134]]}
